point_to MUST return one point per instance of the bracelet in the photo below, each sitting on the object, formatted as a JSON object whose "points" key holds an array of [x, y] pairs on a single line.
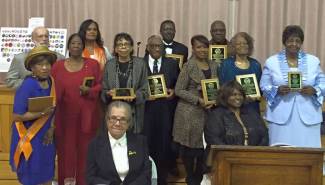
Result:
{"points": [[42, 113]]}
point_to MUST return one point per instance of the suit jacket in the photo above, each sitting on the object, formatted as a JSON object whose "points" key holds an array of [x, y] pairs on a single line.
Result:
{"points": [[177, 48], [180, 49], [169, 68], [159, 113], [100, 164], [275, 74], [137, 80], [17, 71]]}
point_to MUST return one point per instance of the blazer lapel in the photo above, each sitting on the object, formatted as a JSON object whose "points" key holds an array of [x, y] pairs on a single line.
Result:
{"points": [[107, 155], [195, 73], [146, 59], [213, 68]]}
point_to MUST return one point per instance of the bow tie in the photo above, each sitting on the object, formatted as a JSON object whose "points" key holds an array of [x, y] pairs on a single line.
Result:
{"points": [[169, 46]]}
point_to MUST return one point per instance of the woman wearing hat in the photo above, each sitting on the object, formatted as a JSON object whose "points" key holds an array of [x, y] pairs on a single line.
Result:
{"points": [[78, 83], [32, 153]]}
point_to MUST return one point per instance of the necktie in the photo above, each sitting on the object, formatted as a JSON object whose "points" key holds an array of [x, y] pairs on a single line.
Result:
{"points": [[155, 67]]}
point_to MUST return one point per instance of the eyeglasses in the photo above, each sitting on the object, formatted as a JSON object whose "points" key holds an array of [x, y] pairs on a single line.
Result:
{"points": [[241, 43], [125, 44], [114, 120]]}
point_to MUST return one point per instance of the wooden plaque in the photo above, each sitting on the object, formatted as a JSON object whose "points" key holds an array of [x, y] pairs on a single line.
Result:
{"points": [[209, 90], [294, 80], [39, 104], [123, 93], [88, 81], [249, 84], [178, 58], [217, 52], [157, 86]]}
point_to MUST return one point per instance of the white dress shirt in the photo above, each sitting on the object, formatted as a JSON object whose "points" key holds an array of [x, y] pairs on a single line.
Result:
{"points": [[120, 155], [151, 63], [168, 50]]}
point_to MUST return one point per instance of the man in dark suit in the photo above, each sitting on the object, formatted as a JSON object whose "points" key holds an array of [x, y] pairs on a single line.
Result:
{"points": [[167, 31], [218, 34], [159, 112], [116, 156]]}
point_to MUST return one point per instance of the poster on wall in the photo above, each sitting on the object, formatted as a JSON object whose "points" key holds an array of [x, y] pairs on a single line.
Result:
{"points": [[14, 40]]}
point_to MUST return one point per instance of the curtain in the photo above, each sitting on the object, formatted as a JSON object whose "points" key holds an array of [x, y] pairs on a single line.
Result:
{"points": [[264, 20]]}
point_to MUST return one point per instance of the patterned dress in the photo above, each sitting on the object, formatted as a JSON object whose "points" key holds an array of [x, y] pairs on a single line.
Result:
{"points": [[189, 115]]}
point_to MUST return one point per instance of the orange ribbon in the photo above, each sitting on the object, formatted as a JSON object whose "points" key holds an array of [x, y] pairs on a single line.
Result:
{"points": [[26, 135]]}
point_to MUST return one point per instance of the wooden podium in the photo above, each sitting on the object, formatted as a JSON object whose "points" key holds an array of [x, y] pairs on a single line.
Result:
{"points": [[242, 165], [6, 107]]}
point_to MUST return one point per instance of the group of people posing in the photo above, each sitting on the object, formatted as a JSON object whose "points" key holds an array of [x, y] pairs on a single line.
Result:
{"points": [[100, 140]]}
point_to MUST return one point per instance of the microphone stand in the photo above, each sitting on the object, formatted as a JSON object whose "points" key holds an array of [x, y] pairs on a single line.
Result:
{"points": [[138, 48]]}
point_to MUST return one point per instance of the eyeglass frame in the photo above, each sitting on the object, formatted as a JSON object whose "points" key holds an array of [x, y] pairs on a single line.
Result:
{"points": [[124, 44], [114, 120]]}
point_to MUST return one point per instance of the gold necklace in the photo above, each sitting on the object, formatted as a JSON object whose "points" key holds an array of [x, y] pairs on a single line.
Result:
{"points": [[44, 84], [244, 64], [292, 64], [74, 65], [244, 128]]}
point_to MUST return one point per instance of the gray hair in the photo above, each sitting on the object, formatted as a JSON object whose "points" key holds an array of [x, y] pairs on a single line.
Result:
{"points": [[154, 37], [120, 104], [35, 30]]}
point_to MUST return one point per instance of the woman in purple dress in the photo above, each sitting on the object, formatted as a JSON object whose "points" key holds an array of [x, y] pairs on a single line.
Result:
{"points": [[32, 152]]}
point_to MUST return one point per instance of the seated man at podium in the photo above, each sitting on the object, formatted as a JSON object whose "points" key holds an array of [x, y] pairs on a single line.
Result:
{"points": [[232, 123]]}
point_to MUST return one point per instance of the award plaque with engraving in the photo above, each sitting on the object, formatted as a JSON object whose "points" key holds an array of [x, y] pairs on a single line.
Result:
{"points": [[157, 86], [88, 81], [294, 80], [178, 58], [123, 93], [217, 52], [210, 90], [249, 84]]}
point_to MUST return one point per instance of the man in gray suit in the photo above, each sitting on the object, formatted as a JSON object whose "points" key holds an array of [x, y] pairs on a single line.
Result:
{"points": [[17, 71]]}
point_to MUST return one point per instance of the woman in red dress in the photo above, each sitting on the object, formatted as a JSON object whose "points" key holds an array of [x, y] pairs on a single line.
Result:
{"points": [[76, 112]]}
